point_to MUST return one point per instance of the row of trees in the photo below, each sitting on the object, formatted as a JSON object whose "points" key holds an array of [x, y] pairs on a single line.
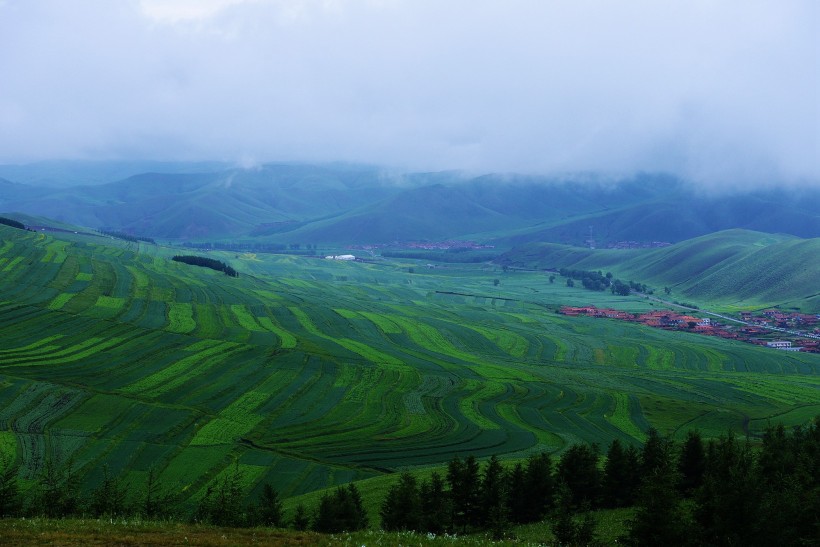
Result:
{"points": [[13, 223], [206, 262], [720, 492], [598, 281], [297, 248], [127, 237]]}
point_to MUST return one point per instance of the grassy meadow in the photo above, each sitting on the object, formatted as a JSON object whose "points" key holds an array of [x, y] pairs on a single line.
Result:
{"points": [[307, 373]]}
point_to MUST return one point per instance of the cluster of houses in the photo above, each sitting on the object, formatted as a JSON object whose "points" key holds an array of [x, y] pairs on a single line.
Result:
{"points": [[781, 319], [667, 319], [444, 245]]}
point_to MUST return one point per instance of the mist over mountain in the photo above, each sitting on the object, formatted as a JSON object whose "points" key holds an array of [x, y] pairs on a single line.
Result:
{"points": [[356, 204]]}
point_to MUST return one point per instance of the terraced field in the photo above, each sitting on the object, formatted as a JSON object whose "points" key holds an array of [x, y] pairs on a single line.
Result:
{"points": [[310, 373]]}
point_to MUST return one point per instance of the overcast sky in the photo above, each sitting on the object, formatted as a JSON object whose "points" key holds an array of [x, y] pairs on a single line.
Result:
{"points": [[716, 91]]}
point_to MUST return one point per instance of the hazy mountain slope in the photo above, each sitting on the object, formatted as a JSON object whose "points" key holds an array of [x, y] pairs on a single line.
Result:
{"points": [[206, 205], [476, 208], [340, 203], [683, 215], [728, 266], [63, 173], [11, 191]]}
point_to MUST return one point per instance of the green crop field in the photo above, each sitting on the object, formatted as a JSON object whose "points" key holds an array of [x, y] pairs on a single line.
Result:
{"points": [[310, 373]]}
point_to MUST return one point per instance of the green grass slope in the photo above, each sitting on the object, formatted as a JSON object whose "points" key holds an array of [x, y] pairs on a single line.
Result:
{"points": [[309, 373], [737, 267]]}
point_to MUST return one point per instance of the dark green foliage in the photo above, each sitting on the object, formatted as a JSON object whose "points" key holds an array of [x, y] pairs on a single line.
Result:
{"points": [[659, 519], [567, 528], [691, 463], [728, 511], [517, 502], [401, 508], [620, 288], [108, 499], [301, 519], [655, 454], [10, 502], [154, 502], [205, 262], [222, 502], [594, 281], [57, 493], [268, 509], [539, 487], [465, 492], [126, 237], [620, 479], [789, 470], [493, 508], [342, 511], [435, 504], [13, 223], [578, 472]]}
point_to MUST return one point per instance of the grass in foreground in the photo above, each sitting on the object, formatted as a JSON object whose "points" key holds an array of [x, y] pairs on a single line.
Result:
{"points": [[123, 531]]}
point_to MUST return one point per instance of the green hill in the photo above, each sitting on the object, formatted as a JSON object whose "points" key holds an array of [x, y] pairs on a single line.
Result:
{"points": [[309, 373], [733, 267]]}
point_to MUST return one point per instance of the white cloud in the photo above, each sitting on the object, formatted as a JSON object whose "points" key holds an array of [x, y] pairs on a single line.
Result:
{"points": [[174, 11], [714, 91]]}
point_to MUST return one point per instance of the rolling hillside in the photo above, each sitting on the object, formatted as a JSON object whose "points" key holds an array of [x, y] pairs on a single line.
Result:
{"points": [[311, 373], [733, 267]]}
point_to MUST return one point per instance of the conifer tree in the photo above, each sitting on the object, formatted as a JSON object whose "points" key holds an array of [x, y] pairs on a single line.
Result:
{"points": [[435, 504], [659, 519], [57, 492], [401, 508], [463, 478], [539, 487], [108, 499], [728, 510], [222, 502], [493, 510], [10, 503], [565, 526], [155, 503], [578, 471], [655, 452], [518, 503], [269, 507], [691, 463], [616, 481], [301, 519]]}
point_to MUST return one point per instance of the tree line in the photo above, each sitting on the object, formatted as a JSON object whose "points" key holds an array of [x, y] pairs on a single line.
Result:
{"points": [[13, 223], [126, 237], [722, 491], [598, 281], [205, 262]]}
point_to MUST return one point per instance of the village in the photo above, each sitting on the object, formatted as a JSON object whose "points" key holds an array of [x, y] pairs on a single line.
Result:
{"points": [[776, 329]]}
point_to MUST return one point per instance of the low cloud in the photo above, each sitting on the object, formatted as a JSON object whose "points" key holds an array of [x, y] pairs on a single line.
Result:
{"points": [[720, 93]]}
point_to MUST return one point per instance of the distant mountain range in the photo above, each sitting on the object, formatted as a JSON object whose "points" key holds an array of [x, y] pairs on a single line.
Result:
{"points": [[342, 204]]}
